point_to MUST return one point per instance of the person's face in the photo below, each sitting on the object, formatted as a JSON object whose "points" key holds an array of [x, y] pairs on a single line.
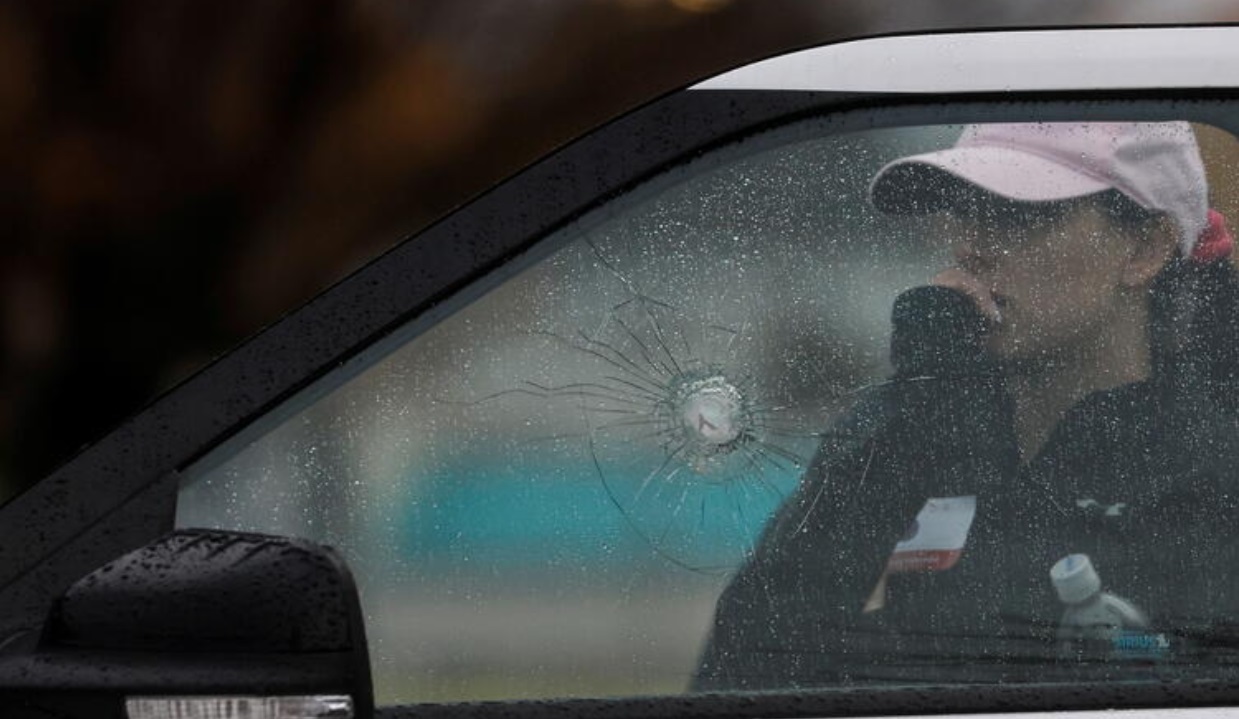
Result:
{"points": [[1059, 274]]}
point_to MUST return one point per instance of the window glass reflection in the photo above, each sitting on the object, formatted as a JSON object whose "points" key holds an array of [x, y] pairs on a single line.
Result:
{"points": [[1042, 490], [815, 410]]}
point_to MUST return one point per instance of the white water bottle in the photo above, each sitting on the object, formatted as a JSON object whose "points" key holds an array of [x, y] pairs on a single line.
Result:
{"points": [[1096, 624]]}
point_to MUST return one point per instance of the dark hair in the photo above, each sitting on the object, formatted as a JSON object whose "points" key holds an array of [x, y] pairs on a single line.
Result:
{"points": [[1194, 324], [1193, 314]]}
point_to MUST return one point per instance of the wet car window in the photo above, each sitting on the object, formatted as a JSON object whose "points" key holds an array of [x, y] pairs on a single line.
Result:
{"points": [[919, 404]]}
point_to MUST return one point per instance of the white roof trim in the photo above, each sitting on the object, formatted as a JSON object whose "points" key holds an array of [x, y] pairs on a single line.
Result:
{"points": [[1006, 60]]}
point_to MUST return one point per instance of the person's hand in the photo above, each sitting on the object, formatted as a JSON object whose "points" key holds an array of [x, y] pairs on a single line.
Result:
{"points": [[967, 283]]}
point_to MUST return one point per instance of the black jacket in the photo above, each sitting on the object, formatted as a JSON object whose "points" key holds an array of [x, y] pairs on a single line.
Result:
{"points": [[1140, 478]]}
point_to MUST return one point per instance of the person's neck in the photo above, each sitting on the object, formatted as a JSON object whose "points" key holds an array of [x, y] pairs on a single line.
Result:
{"points": [[1044, 395]]}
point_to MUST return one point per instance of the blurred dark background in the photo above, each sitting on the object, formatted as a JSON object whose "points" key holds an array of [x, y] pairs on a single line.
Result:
{"points": [[175, 174]]}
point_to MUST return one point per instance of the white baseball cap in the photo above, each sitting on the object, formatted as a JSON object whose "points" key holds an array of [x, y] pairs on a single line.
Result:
{"points": [[1156, 164]]}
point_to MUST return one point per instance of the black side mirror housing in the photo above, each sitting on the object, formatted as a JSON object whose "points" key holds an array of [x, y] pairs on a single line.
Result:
{"points": [[210, 615]]}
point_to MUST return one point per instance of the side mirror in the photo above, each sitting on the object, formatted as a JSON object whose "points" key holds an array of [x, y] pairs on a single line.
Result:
{"points": [[201, 623]]}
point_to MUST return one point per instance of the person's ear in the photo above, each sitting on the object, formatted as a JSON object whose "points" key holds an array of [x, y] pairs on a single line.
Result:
{"points": [[1150, 253]]}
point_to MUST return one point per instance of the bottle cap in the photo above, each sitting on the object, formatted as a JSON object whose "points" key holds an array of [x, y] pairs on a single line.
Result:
{"points": [[1074, 578]]}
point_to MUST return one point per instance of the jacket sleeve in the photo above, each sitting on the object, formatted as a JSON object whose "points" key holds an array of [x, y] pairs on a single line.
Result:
{"points": [[940, 426]]}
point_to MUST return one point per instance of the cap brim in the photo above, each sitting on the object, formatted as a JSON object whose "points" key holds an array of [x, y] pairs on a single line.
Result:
{"points": [[926, 183]]}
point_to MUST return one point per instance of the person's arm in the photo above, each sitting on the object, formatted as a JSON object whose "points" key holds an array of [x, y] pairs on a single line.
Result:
{"points": [[939, 427]]}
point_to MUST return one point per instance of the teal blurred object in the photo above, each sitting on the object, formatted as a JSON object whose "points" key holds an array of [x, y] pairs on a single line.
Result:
{"points": [[487, 514]]}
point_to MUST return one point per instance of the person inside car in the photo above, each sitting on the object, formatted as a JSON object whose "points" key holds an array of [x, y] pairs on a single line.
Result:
{"points": [[1064, 390]]}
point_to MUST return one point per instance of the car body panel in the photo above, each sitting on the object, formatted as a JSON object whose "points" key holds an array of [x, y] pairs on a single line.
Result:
{"points": [[120, 493]]}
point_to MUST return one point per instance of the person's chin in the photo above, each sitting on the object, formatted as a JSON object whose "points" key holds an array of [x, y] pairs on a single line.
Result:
{"points": [[1014, 355], [1024, 361]]}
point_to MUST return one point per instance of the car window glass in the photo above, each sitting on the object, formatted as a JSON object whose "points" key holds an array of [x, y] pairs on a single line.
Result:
{"points": [[685, 450]]}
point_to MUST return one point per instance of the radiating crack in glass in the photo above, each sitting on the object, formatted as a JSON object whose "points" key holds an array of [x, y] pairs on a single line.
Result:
{"points": [[677, 432]]}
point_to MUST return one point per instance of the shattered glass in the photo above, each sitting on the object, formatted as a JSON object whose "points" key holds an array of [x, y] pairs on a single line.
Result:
{"points": [[690, 445], [544, 494]]}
